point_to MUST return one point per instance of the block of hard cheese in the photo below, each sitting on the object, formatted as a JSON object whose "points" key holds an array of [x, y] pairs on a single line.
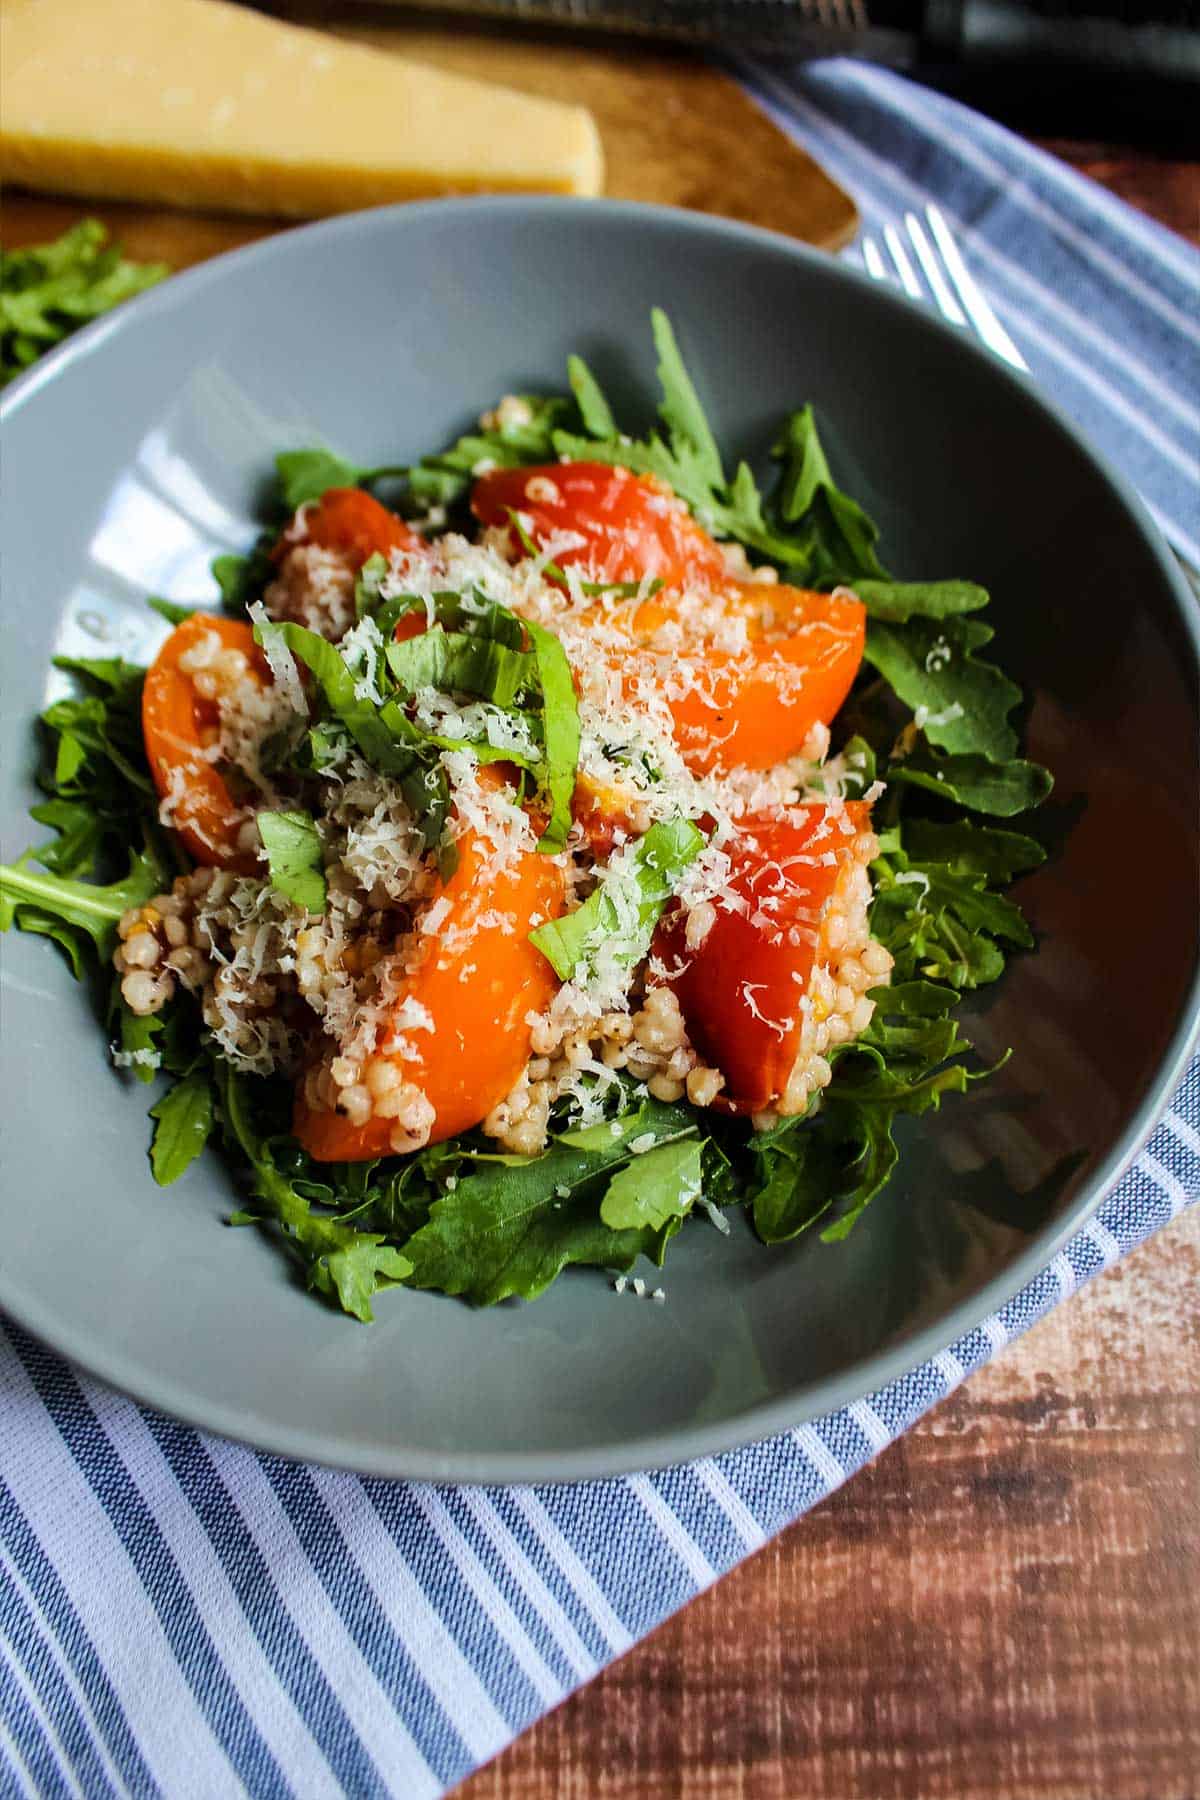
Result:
{"points": [[199, 103]]}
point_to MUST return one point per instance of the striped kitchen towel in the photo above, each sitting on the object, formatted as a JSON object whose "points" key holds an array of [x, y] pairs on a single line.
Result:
{"points": [[184, 1617]]}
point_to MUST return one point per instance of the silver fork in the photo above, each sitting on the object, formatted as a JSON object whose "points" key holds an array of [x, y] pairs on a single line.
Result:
{"points": [[956, 294]]}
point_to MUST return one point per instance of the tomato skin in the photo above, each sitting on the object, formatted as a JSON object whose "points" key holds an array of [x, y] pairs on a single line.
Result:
{"points": [[352, 522], [479, 981], [632, 524], [206, 816], [740, 991], [753, 708], [759, 707]]}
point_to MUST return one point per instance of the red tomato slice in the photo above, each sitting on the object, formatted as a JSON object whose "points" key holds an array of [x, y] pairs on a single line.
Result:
{"points": [[750, 708], [177, 724], [631, 525], [755, 706], [351, 521], [480, 980], [741, 991]]}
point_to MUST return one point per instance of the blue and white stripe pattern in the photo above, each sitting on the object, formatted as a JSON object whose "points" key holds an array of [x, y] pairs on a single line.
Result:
{"points": [[1104, 304], [183, 1617]]}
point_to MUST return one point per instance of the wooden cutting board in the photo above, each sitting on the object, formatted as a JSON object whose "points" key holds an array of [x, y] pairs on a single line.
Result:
{"points": [[675, 129]]}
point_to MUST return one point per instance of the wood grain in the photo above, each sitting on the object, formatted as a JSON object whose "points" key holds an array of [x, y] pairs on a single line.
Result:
{"points": [[1168, 188], [1004, 1606], [676, 130]]}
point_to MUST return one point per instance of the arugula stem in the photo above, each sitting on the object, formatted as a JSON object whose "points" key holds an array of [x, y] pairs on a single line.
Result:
{"points": [[24, 884]]}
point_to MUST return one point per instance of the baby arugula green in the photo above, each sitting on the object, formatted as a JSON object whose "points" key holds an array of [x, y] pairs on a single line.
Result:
{"points": [[929, 717], [49, 290], [445, 478], [512, 1224], [94, 770]]}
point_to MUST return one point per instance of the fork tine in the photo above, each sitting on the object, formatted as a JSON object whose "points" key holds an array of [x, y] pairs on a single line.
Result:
{"points": [[873, 260], [978, 310], [947, 304], [904, 268]]}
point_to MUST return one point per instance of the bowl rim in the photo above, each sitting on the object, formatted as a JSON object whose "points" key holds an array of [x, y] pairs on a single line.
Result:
{"points": [[805, 1401]]}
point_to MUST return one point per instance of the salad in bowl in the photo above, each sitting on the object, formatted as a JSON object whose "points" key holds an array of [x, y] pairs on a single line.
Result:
{"points": [[547, 844]]}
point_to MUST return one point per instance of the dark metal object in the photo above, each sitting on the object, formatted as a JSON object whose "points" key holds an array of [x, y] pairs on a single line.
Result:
{"points": [[1163, 35], [1121, 69]]}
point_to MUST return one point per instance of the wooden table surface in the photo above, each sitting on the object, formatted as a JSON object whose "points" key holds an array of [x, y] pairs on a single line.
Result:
{"points": [[1004, 1606]]}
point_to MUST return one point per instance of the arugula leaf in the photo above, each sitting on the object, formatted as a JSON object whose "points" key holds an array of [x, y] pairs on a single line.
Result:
{"points": [[295, 857], [111, 673], [932, 667], [862, 1114], [594, 409], [61, 908], [844, 536], [793, 1183], [896, 602], [99, 732], [49, 290], [823, 535], [243, 579], [448, 476], [340, 1262], [85, 736], [1001, 789], [912, 1028], [690, 435], [169, 610], [658, 1186], [82, 830], [735, 512], [509, 1228], [616, 922], [305, 475], [138, 1034], [837, 1162], [967, 849], [185, 1120], [939, 924]]}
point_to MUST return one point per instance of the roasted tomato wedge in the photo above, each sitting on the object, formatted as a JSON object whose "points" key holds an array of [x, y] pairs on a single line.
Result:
{"points": [[461, 1030], [784, 970], [748, 667], [631, 525], [771, 662], [352, 522], [180, 724]]}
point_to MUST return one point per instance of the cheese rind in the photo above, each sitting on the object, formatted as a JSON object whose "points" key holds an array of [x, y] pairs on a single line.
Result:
{"points": [[199, 103]]}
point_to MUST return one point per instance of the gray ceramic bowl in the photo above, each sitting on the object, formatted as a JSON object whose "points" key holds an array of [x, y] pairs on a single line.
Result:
{"points": [[137, 453]]}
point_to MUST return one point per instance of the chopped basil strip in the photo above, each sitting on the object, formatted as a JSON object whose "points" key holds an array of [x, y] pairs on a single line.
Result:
{"points": [[613, 928], [294, 857]]}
